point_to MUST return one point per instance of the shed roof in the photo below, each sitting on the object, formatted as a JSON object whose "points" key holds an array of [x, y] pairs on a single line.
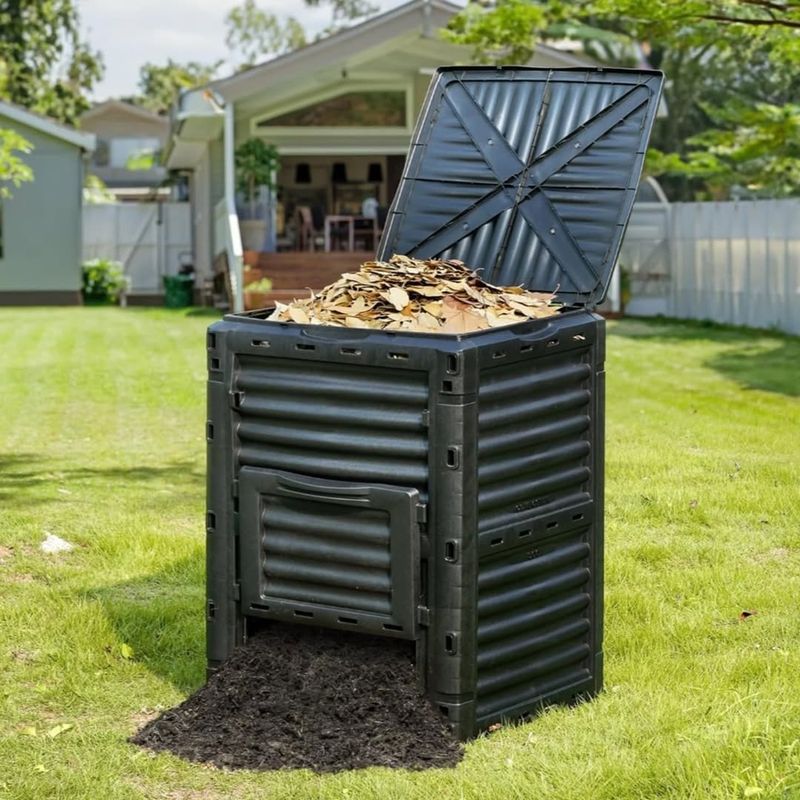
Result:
{"points": [[85, 141]]}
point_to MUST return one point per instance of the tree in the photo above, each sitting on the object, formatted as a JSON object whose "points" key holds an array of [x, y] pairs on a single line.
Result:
{"points": [[13, 170], [161, 84], [44, 63], [344, 12], [254, 34], [700, 148]]}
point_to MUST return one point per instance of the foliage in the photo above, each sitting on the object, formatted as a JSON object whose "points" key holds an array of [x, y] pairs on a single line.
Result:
{"points": [[721, 57], [752, 151], [45, 65], [95, 191], [103, 281], [103, 441], [261, 285], [160, 84], [254, 34], [344, 12], [256, 165], [13, 170]]}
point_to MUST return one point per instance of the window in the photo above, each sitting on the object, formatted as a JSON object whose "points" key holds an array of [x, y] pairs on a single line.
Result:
{"points": [[366, 109], [133, 153]]}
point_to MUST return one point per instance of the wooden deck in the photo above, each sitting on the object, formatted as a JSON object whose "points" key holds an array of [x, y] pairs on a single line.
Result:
{"points": [[293, 274]]}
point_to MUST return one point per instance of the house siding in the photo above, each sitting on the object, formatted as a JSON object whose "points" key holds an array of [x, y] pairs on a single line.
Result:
{"points": [[42, 221]]}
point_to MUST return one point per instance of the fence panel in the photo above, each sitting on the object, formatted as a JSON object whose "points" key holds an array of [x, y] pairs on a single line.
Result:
{"points": [[737, 263], [149, 239]]}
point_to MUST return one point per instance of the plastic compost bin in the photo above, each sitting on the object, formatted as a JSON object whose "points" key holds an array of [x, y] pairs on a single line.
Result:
{"points": [[445, 489]]}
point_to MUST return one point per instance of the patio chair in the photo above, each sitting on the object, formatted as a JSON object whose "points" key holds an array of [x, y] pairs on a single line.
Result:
{"points": [[309, 236]]}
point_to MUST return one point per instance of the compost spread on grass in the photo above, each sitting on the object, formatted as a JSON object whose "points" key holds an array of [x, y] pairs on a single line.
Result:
{"points": [[297, 697]]}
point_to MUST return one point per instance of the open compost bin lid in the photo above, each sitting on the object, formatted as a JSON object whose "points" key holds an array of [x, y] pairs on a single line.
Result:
{"points": [[526, 174]]}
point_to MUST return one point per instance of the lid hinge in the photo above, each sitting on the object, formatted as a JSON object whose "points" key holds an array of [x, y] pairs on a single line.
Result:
{"points": [[237, 591], [235, 489], [423, 615], [422, 513]]}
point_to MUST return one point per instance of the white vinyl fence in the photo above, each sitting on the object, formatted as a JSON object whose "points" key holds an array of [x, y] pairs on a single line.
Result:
{"points": [[149, 239], [737, 263]]}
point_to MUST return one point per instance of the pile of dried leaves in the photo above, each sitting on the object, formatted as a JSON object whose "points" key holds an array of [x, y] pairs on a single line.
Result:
{"points": [[425, 296]]}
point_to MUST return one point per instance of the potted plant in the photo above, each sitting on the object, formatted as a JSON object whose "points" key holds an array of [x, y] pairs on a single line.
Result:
{"points": [[256, 165]]}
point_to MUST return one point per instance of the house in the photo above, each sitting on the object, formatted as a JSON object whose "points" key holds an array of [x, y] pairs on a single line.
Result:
{"points": [[341, 113], [40, 224], [130, 140]]}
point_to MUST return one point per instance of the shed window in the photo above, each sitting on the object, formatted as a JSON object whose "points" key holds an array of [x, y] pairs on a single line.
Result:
{"points": [[368, 109]]}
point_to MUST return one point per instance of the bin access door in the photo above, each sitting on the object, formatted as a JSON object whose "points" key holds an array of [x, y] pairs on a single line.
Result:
{"points": [[329, 553]]}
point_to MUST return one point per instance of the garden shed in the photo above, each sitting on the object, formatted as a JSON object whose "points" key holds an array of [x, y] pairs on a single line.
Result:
{"points": [[40, 224]]}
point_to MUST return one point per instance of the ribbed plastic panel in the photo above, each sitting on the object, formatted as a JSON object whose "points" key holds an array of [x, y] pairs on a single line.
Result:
{"points": [[346, 422], [529, 174], [321, 553], [534, 429], [534, 625]]}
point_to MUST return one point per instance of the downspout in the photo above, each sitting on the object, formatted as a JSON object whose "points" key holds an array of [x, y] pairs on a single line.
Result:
{"points": [[235, 252]]}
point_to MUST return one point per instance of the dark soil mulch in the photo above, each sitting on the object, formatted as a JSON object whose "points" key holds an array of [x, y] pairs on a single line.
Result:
{"points": [[298, 697]]}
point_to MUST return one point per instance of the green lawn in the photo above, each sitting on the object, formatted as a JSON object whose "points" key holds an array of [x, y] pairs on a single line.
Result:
{"points": [[102, 430]]}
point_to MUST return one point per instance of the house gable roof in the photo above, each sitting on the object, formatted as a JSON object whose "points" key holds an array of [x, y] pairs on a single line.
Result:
{"points": [[427, 16], [111, 105], [85, 141]]}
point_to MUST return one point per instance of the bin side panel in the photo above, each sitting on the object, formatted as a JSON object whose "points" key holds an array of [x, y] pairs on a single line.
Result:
{"points": [[539, 523]]}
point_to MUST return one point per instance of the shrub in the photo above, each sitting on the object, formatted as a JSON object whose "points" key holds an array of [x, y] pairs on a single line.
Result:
{"points": [[103, 281], [262, 285]]}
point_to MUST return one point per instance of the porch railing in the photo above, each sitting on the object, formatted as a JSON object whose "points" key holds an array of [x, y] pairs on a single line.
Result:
{"points": [[228, 240]]}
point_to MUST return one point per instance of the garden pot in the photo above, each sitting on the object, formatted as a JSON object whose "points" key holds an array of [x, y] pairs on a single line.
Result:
{"points": [[254, 233]]}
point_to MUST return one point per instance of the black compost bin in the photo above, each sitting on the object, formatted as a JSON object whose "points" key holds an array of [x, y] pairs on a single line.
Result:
{"points": [[446, 489]]}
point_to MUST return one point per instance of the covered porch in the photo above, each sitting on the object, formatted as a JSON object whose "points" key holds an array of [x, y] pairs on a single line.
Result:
{"points": [[340, 113]]}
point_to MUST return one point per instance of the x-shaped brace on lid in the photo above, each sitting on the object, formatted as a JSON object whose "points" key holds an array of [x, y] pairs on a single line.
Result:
{"points": [[521, 184]]}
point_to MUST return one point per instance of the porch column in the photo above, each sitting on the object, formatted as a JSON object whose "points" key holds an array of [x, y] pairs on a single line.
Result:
{"points": [[235, 252]]}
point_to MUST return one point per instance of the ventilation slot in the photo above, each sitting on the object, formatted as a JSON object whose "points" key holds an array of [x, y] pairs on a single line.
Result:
{"points": [[553, 343], [496, 542], [346, 620], [305, 347], [211, 340], [523, 534], [452, 457], [389, 627], [450, 551], [452, 365], [307, 614], [215, 363], [210, 431], [450, 644], [260, 343], [350, 351], [398, 356], [211, 521]]}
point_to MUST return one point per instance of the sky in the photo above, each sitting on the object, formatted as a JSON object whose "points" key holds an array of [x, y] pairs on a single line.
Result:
{"points": [[130, 33]]}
